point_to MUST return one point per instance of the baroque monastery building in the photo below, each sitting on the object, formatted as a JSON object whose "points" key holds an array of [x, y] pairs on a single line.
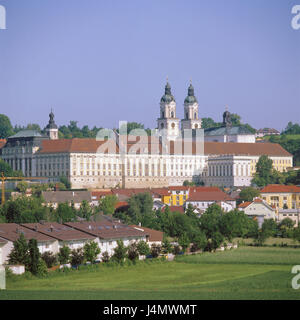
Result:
{"points": [[225, 156]]}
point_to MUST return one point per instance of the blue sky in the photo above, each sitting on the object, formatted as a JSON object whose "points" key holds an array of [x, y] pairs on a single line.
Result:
{"points": [[98, 61]]}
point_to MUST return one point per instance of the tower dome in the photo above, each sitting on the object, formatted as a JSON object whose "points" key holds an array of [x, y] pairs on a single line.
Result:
{"points": [[191, 95], [167, 97]]}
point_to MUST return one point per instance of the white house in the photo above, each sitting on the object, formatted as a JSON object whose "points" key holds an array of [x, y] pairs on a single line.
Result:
{"points": [[107, 233], [258, 209], [202, 200], [10, 232]]}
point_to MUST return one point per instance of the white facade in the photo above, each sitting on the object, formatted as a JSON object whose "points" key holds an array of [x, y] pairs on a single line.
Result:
{"points": [[228, 171], [260, 208], [203, 205], [240, 138]]}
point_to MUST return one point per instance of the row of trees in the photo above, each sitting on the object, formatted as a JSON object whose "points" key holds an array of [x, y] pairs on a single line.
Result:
{"points": [[32, 209]]}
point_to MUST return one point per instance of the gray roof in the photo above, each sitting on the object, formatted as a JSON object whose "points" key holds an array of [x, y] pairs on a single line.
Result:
{"points": [[26, 134], [221, 131], [66, 196]]}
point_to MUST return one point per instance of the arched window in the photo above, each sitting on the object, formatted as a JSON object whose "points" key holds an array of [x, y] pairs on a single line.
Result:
{"points": [[196, 126], [163, 114], [195, 115], [162, 125], [172, 114], [186, 115]]}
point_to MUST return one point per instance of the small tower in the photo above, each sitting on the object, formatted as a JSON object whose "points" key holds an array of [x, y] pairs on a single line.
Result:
{"points": [[168, 124], [51, 128], [191, 119]]}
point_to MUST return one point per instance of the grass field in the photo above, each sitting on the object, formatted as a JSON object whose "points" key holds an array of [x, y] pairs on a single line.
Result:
{"points": [[243, 273]]}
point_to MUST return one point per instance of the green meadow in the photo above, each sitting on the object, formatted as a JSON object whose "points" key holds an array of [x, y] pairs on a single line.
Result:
{"points": [[243, 273]]}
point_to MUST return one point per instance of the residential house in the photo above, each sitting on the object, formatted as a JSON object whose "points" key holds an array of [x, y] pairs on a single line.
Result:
{"points": [[259, 210], [292, 214], [153, 236], [11, 232], [202, 200], [108, 232], [54, 198], [282, 196], [65, 235]]}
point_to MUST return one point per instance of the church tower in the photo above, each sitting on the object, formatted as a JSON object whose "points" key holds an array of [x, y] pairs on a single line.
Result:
{"points": [[168, 124], [51, 128], [191, 119]]}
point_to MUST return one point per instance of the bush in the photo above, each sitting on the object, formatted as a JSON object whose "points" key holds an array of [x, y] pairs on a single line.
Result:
{"points": [[105, 257], [64, 255], [77, 257], [176, 249], [132, 252], [155, 250], [49, 258], [41, 268]]}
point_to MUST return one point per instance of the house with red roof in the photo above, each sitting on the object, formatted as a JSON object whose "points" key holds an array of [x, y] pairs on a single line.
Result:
{"points": [[202, 200], [258, 209], [282, 196]]}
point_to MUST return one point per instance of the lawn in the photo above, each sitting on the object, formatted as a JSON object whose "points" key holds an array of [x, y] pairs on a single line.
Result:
{"points": [[243, 273]]}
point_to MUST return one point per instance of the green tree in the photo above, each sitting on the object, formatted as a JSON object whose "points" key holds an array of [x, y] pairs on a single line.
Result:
{"points": [[166, 246], [24, 210], [22, 186], [120, 252], [143, 248], [108, 203], [263, 175], [65, 181], [91, 251], [65, 213], [34, 256], [6, 128], [199, 242], [184, 241], [20, 253], [216, 240], [41, 269], [140, 208], [64, 255], [248, 194], [85, 210], [270, 227]]}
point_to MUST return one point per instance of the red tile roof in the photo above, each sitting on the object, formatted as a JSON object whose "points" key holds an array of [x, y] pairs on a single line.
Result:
{"points": [[174, 209], [152, 146], [278, 188], [58, 231], [121, 204], [245, 204], [12, 232], [106, 229], [210, 196], [154, 235], [78, 145], [252, 149], [100, 194]]}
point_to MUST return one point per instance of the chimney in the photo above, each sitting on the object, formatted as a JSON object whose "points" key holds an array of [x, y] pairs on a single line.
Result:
{"points": [[90, 227], [51, 228], [140, 224], [35, 228], [73, 193], [114, 226]]}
